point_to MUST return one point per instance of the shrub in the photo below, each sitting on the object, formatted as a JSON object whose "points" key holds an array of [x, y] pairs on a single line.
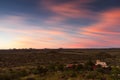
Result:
{"points": [[30, 78], [89, 65], [42, 70]]}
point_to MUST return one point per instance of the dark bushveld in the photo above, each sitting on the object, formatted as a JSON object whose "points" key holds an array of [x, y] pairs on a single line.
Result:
{"points": [[50, 64]]}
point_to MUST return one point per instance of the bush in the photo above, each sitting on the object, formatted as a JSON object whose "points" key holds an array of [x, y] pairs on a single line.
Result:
{"points": [[40, 70], [89, 65], [60, 67], [51, 67], [30, 78], [5, 77], [79, 67], [70, 74]]}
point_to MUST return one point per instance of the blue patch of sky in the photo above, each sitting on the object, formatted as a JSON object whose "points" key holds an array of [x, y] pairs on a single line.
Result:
{"points": [[61, 1], [30, 7], [81, 22], [102, 5]]}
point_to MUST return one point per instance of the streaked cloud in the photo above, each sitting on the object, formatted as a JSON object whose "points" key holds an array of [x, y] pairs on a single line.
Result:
{"points": [[73, 9], [60, 23]]}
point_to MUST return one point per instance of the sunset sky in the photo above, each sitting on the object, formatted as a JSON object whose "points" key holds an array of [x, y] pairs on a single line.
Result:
{"points": [[59, 24]]}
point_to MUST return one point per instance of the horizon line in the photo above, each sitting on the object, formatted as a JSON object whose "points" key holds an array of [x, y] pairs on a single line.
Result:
{"points": [[53, 48]]}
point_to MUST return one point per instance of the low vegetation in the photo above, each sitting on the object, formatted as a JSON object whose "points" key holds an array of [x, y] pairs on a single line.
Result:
{"points": [[59, 64]]}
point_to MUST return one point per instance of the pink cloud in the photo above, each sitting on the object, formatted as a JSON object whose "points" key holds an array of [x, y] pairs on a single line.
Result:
{"points": [[16, 24], [109, 23], [104, 33], [26, 35], [84, 43], [107, 30], [72, 9]]}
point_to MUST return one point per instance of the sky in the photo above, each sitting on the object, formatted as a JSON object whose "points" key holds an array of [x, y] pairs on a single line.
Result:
{"points": [[59, 24]]}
